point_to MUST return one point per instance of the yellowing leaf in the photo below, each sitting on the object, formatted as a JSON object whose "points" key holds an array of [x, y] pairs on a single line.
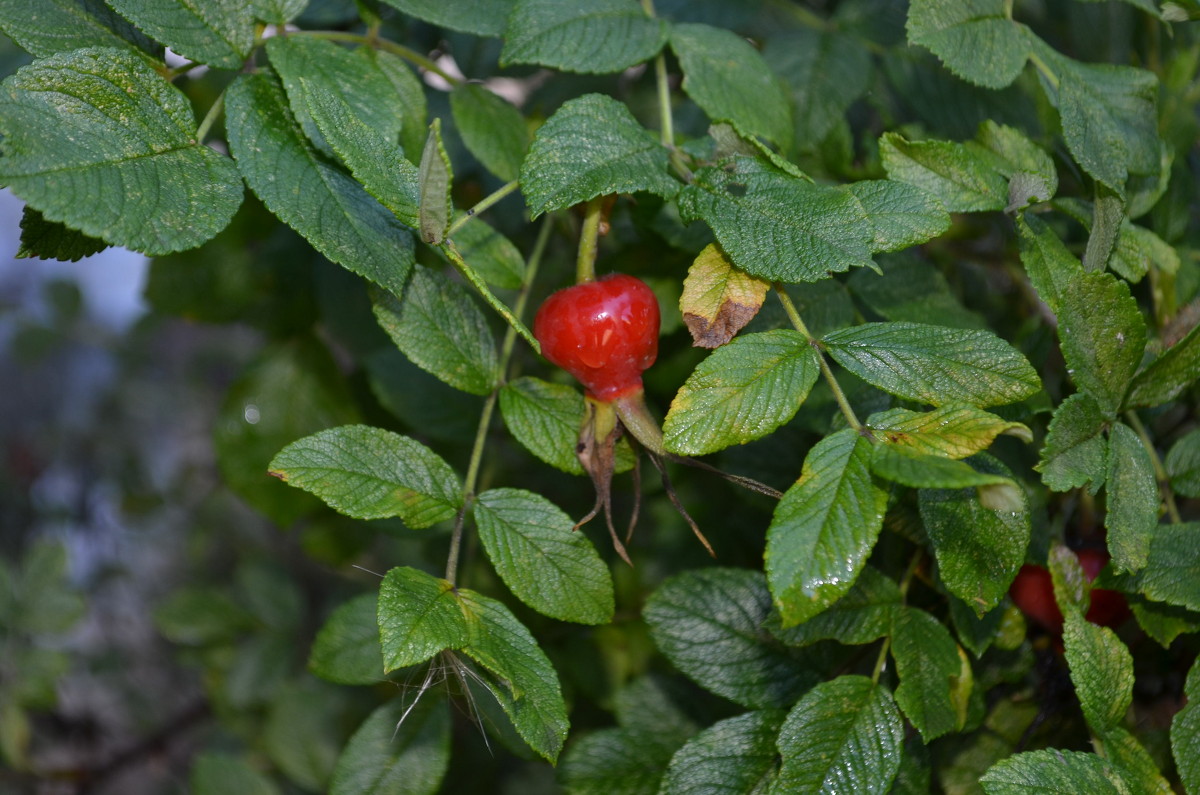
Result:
{"points": [[718, 299]]}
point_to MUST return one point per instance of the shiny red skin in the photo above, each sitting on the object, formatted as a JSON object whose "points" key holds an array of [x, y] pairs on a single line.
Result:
{"points": [[605, 333], [1033, 593]]}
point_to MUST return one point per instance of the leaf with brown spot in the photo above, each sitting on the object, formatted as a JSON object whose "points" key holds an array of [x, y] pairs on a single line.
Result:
{"points": [[718, 299]]}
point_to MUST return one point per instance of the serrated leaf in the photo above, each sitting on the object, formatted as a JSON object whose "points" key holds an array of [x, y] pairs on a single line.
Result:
{"points": [[277, 12], [1071, 586], [1185, 732], [1183, 465], [976, 40], [1162, 622], [46, 27], [541, 558], [1021, 156], [1054, 772], [216, 32], [1051, 267], [322, 203], [612, 762], [910, 289], [718, 299], [863, 615], [1172, 572], [900, 214], [1108, 116], [731, 82], [965, 176], [708, 623], [953, 431], [396, 751], [346, 650], [1133, 498], [928, 665], [434, 177], [441, 329], [1168, 375], [733, 755], [216, 773], [301, 735], [525, 683], [741, 392], [599, 37], [1101, 670], [1139, 251], [777, 226], [979, 550], [917, 470], [101, 121], [1108, 213], [51, 240], [935, 364], [825, 72], [370, 473], [469, 16], [592, 146], [1129, 756], [419, 615], [844, 735], [491, 128], [1076, 451], [824, 527]]}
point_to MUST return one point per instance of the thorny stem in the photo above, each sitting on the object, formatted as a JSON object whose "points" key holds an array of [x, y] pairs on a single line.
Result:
{"points": [[826, 371], [585, 263], [210, 118], [489, 405], [412, 56], [1160, 473], [482, 205]]}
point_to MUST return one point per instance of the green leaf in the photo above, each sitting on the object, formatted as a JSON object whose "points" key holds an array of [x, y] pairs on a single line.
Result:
{"points": [[370, 473], [733, 755], [935, 364], [824, 527], [1129, 756], [541, 558], [290, 391], [1051, 267], [844, 735], [1108, 113], [1030, 169], [1165, 378], [1108, 213], [194, 616], [1133, 498], [216, 32], [402, 748], [863, 615], [592, 146], [346, 650], [1075, 452], [277, 12], [1183, 465], [709, 624], [1162, 622], [419, 615], [1185, 732], [46, 603], [525, 683], [965, 176], [47, 27], [434, 178], [491, 128], [322, 203], [901, 214], [910, 289], [490, 254], [825, 72], [778, 226], [50, 240], [978, 549], [1101, 670], [218, 773], [921, 471], [1054, 772], [929, 666], [731, 82], [302, 734], [441, 329], [1172, 572], [469, 16], [598, 37], [953, 431], [613, 762], [976, 40], [101, 121], [1139, 250], [743, 391]]}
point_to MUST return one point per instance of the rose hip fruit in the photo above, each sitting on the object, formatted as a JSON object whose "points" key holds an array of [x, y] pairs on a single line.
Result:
{"points": [[605, 333], [1033, 593]]}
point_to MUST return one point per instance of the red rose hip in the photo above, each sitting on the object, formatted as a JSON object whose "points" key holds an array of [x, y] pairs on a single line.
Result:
{"points": [[1033, 593], [605, 333]]}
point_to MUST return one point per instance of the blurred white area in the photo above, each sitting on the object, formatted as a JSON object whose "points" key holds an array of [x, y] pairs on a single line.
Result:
{"points": [[111, 282]]}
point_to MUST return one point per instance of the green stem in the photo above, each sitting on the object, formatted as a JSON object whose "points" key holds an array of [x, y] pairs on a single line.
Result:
{"points": [[1160, 472], [487, 295], [585, 263], [483, 204], [412, 56], [531, 269], [1044, 68], [210, 118], [826, 370]]}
